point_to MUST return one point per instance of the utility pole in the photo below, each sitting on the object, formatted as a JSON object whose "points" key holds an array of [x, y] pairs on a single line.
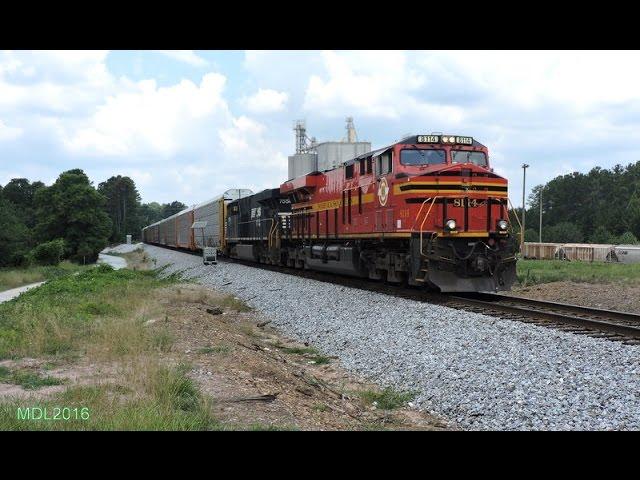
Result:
{"points": [[524, 183], [540, 230]]}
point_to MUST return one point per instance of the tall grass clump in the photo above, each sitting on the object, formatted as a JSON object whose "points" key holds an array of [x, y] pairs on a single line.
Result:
{"points": [[72, 312]]}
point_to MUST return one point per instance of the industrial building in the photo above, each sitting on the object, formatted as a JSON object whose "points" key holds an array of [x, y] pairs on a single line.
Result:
{"points": [[311, 156]]}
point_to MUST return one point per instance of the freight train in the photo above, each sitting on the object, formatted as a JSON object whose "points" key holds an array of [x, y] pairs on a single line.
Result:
{"points": [[425, 211]]}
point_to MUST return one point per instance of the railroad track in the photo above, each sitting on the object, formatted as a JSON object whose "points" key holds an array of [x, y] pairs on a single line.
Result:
{"points": [[607, 324]]}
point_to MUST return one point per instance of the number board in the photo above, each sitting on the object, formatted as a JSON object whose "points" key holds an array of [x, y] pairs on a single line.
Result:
{"points": [[428, 138], [470, 202], [464, 140]]}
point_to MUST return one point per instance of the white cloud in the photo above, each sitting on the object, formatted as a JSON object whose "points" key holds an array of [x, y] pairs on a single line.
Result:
{"points": [[553, 110], [186, 56], [370, 83], [9, 133], [146, 119], [266, 101]]}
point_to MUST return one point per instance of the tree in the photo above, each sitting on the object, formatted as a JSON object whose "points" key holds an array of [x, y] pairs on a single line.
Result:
{"points": [[602, 235], [633, 211], [627, 238], [122, 206], [21, 193], [13, 235], [564, 232], [149, 213], [71, 209], [531, 235], [172, 208]]}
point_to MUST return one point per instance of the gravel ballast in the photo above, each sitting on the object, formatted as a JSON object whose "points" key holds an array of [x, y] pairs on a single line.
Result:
{"points": [[478, 371]]}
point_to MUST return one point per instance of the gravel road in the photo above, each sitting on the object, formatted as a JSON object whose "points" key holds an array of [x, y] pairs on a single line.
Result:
{"points": [[478, 371]]}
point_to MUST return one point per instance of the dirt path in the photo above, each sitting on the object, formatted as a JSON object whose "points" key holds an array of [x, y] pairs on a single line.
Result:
{"points": [[7, 295]]}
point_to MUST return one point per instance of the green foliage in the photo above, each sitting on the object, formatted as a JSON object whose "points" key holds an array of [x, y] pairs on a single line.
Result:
{"points": [[627, 238], [48, 253], [607, 198], [27, 379], [531, 235], [531, 272], [73, 210], [122, 205], [387, 399], [166, 400], [55, 317], [563, 232], [21, 194], [16, 277], [14, 235], [602, 235], [149, 213], [172, 208]]}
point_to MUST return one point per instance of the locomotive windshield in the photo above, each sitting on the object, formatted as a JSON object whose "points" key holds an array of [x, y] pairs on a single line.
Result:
{"points": [[463, 156], [422, 157]]}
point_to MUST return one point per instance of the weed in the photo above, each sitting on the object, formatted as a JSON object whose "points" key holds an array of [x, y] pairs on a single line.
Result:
{"points": [[27, 379], [217, 349], [387, 399]]}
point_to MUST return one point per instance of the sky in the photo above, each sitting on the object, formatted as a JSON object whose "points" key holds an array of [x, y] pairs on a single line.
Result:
{"points": [[187, 125]]}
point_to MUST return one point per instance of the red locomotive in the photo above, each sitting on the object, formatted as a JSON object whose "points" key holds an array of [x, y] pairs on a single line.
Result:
{"points": [[427, 210]]}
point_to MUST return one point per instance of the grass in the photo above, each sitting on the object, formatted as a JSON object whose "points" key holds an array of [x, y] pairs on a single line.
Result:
{"points": [[387, 399], [100, 309], [234, 303], [27, 379], [17, 277], [320, 407], [298, 350], [531, 272], [101, 315], [206, 297], [309, 352], [165, 399], [222, 349]]}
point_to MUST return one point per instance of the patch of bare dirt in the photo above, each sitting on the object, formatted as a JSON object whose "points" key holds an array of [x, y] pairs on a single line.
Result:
{"points": [[254, 382], [610, 296], [72, 373]]}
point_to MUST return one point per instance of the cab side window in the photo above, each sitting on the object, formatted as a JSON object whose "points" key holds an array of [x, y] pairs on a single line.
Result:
{"points": [[349, 170], [383, 164]]}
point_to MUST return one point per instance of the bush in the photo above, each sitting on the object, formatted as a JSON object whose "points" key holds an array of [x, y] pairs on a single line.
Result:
{"points": [[563, 232], [627, 238], [48, 253]]}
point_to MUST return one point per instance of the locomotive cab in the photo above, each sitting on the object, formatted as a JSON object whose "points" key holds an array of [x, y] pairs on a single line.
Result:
{"points": [[458, 207]]}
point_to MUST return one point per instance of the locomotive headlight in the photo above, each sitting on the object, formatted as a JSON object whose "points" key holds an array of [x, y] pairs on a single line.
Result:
{"points": [[502, 225], [450, 225]]}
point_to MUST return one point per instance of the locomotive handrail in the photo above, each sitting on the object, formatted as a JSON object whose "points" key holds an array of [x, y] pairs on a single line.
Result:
{"points": [[260, 220], [419, 212], [272, 231], [433, 201]]}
